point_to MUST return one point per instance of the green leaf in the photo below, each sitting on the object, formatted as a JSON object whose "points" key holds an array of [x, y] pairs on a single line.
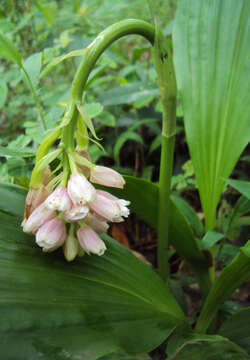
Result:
{"points": [[3, 92], [12, 198], [33, 66], [59, 59], [125, 136], [210, 239], [8, 50], [242, 186], [96, 305], [87, 120], [7, 152], [93, 109], [208, 347], [143, 195], [190, 214], [128, 93], [237, 329], [231, 277], [211, 43]]}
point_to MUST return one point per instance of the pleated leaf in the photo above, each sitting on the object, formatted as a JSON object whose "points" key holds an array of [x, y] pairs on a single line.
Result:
{"points": [[51, 309], [211, 56]]}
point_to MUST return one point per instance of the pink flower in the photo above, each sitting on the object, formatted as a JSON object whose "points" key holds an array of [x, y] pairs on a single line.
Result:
{"points": [[59, 200], [76, 213], [80, 190], [122, 204], [105, 176], [96, 224], [106, 208], [90, 241], [38, 217], [51, 235]]}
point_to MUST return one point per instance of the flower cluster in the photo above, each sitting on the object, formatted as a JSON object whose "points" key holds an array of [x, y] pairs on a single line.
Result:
{"points": [[73, 215]]}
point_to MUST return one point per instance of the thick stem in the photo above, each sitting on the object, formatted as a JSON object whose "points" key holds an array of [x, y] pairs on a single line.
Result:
{"points": [[168, 90], [100, 44]]}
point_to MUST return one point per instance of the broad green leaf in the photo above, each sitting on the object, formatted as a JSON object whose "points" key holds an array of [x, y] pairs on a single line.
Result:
{"points": [[8, 50], [33, 67], [12, 198], [93, 306], [211, 42], [242, 186], [208, 347], [7, 152], [125, 136], [3, 92], [210, 239], [128, 93], [237, 329], [190, 214], [143, 196]]}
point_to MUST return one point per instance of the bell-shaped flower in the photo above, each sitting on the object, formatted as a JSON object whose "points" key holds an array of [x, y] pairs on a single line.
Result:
{"points": [[80, 190], [105, 176], [59, 200], [106, 208], [76, 213], [51, 235], [100, 226], [119, 203], [37, 218], [90, 241]]}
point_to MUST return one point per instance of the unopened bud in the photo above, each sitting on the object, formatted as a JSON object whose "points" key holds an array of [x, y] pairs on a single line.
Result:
{"points": [[51, 235], [90, 241], [105, 176], [80, 190], [59, 200]]}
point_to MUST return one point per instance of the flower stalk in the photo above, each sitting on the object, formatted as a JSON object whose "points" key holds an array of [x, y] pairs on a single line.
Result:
{"points": [[168, 90]]}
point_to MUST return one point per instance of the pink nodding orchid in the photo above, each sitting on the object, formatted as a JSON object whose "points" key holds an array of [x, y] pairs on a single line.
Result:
{"points": [[110, 207], [37, 218], [105, 176], [76, 213], [80, 190], [90, 241], [59, 200], [51, 235]]}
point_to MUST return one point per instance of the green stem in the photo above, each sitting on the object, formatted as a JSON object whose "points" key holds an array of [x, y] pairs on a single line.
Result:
{"points": [[168, 90], [36, 100], [94, 51], [100, 44]]}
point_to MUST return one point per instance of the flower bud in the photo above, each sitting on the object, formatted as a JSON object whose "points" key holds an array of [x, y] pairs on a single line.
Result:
{"points": [[96, 224], [59, 200], [105, 176], [80, 190], [90, 241], [51, 235], [106, 208], [76, 213], [71, 246], [38, 217]]}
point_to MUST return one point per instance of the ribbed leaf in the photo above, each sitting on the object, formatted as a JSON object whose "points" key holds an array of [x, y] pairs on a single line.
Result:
{"points": [[211, 54], [51, 309]]}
